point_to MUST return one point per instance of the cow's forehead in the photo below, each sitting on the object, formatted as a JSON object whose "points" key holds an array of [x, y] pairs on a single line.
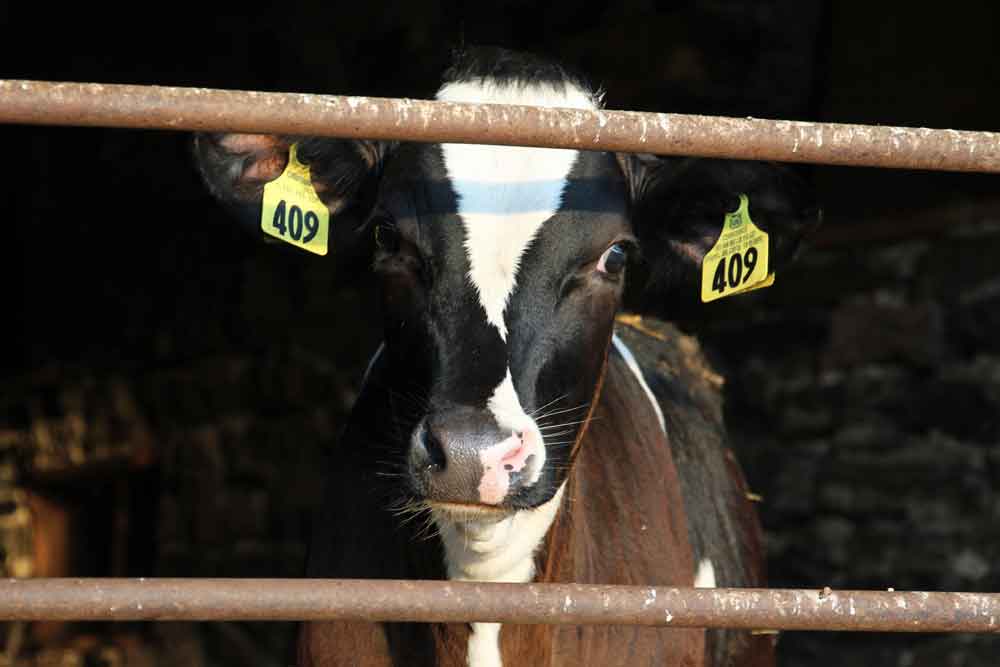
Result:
{"points": [[506, 193]]}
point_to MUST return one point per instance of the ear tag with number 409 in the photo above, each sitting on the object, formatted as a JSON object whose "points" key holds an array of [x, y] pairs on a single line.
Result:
{"points": [[292, 211], [737, 262]]}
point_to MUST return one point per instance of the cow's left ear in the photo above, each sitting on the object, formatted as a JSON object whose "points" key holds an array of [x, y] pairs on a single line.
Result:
{"points": [[679, 206]]}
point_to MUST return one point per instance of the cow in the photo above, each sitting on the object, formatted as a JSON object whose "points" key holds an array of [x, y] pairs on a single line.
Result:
{"points": [[507, 429]]}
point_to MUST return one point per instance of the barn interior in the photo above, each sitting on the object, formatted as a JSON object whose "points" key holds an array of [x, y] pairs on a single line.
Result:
{"points": [[170, 385]]}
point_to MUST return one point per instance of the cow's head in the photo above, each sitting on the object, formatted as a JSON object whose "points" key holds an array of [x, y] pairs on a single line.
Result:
{"points": [[502, 269]]}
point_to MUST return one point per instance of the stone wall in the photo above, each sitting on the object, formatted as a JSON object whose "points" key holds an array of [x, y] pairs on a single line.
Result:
{"points": [[864, 393], [220, 462]]}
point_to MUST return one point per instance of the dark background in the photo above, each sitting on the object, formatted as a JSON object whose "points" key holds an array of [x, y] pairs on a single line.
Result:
{"points": [[168, 385]]}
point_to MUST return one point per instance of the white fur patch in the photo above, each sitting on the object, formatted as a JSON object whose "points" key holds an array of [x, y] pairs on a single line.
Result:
{"points": [[634, 367], [705, 576], [505, 193], [484, 646]]}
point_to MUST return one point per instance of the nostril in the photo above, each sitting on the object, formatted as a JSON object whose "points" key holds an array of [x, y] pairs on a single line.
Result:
{"points": [[434, 448]]}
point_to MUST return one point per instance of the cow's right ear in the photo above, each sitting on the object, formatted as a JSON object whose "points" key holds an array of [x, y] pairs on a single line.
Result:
{"points": [[344, 174], [678, 207]]}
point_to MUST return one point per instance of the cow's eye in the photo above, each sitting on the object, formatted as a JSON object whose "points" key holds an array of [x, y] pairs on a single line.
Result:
{"points": [[386, 234], [613, 260]]}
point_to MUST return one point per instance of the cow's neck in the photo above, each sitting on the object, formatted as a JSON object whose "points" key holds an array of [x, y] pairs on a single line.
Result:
{"points": [[623, 515], [489, 549]]}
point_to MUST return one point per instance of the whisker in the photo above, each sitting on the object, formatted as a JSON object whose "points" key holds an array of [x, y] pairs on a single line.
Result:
{"points": [[429, 529], [411, 511], [558, 412], [542, 407], [572, 423]]}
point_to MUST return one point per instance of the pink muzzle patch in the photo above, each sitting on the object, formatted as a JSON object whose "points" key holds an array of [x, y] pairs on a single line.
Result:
{"points": [[502, 460]]}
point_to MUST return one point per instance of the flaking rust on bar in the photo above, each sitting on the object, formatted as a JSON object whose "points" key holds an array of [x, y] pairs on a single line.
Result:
{"points": [[448, 602], [205, 109]]}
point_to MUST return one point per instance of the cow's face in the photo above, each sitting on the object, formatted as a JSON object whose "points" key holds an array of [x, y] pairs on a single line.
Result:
{"points": [[501, 270]]}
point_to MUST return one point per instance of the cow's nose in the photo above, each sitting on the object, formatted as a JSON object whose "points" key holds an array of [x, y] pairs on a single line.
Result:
{"points": [[431, 451], [462, 456]]}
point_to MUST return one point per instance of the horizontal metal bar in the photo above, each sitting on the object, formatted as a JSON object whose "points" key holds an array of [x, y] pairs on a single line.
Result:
{"points": [[440, 601], [158, 107]]}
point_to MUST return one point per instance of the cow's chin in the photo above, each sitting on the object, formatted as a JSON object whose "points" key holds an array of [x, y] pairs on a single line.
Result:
{"points": [[492, 543]]}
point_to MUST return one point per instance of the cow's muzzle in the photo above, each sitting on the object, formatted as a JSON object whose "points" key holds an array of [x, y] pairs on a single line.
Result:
{"points": [[461, 455]]}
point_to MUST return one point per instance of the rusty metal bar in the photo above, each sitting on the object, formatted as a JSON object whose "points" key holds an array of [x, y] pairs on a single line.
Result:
{"points": [[438, 601], [158, 107]]}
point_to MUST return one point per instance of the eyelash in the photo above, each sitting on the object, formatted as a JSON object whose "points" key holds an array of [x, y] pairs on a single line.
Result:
{"points": [[617, 254]]}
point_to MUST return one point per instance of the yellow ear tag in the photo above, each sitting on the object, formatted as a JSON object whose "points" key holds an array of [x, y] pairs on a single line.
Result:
{"points": [[292, 211], [737, 262]]}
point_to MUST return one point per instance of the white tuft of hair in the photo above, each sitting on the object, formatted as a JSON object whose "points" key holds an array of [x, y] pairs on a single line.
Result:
{"points": [[705, 576]]}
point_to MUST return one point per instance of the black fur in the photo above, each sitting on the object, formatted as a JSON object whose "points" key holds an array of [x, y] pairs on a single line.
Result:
{"points": [[511, 68]]}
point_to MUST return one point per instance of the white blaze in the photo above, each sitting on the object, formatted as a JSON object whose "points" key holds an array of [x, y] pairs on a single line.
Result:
{"points": [[505, 193]]}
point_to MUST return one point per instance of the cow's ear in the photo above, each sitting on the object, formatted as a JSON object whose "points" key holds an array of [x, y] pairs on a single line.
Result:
{"points": [[678, 208], [344, 175]]}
